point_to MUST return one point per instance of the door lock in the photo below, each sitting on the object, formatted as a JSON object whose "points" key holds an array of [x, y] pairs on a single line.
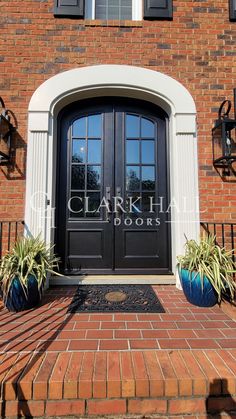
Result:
{"points": [[118, 191], [118, 202], [109, 204]]}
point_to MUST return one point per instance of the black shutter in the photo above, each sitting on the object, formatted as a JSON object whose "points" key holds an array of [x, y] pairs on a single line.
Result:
{"points": [[232, 10], [69, 8], [158, 9]]}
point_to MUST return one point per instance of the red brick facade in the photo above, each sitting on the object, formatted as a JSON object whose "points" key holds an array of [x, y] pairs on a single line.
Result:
{"points": [[197, 48]]}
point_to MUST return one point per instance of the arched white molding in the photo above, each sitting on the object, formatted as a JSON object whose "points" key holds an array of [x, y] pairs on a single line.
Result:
{"points": [[113, 80], [104, 79]]}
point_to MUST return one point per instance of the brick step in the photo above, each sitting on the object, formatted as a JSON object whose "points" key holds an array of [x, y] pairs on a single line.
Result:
{"points": [[178, 382], [164, 408], [106, 407]]}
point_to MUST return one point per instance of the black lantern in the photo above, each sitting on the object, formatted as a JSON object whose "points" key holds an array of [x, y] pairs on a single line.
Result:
{"points": [[224, 146], [6, 130]]}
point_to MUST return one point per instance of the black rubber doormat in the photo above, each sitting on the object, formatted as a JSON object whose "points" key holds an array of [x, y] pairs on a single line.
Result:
{"points": [[115, 298]]}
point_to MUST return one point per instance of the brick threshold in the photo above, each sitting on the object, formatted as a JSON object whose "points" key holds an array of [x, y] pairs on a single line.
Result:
{"points": [[168, 383]]}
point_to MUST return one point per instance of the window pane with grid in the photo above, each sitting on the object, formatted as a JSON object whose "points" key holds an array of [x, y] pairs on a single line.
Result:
{"points": [[141, 160], [86, 165], [113, 9]]}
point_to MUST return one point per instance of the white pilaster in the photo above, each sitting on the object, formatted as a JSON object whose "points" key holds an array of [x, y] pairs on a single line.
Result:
{"points": [[36, 185], [184, 178], [184, 197]]}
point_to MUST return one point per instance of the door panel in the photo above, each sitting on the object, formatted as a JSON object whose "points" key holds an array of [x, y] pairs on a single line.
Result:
{"points": [[142, 238], [112, 153], [90, 243], [139, 250], [85, 235]]}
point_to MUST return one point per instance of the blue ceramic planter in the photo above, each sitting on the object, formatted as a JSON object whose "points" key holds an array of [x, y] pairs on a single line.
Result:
{"points": [[194, 292], [16, 299]]}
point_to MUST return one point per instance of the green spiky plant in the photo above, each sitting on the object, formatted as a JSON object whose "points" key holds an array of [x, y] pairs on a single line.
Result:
{"points": [[29, 256], [209, 259]]}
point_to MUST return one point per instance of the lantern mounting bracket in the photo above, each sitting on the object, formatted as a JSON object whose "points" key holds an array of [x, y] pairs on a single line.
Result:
{"points": [[223, 144]]}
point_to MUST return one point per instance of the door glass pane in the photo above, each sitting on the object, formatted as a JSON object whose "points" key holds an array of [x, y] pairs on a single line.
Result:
{"points": [[146, 202], [93, 204], [147, 128], [148, 152], [132, 152], [132, 178], [95, 126], [94, 177], [132, 126], [78, 177], [76, 204], [94, 151], [78, 151], [133, 204], [148, 177], [79, 128]]}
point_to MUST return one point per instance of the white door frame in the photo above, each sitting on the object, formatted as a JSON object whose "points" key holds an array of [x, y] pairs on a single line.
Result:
{"points": [[120, 81]]}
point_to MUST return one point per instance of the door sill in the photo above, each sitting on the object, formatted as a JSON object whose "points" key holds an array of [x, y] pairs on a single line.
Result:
{"points": [[113, 279]]}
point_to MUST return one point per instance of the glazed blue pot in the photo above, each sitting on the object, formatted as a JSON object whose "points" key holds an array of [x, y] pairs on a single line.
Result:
{"points": [[194, 292], [16, 299]]}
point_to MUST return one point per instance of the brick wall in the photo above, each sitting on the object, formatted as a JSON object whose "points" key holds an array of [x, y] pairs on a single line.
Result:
{"points": [[197, 48]]}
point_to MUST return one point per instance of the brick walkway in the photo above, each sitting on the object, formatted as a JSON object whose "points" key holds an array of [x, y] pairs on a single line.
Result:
{"points": [[50, 328], [54, 363]]}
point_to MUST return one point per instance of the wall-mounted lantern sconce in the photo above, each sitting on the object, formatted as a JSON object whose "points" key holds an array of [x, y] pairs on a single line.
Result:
{"points": [[6, 131], [224, 146]]}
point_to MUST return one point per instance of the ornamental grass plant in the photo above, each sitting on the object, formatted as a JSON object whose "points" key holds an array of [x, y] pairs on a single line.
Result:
{"points": [[29, 256], [208, 259]]}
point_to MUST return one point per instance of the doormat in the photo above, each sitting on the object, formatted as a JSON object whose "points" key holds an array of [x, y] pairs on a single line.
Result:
{"points": [[116, 299]]}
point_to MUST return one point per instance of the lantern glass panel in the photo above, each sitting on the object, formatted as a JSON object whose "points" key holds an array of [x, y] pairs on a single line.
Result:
{"points": [[4, 138], [228, 146], [217, 142]]}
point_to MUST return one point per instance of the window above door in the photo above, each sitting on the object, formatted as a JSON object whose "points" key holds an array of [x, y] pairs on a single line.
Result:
{"points": [[232, 10], [114, 9]]}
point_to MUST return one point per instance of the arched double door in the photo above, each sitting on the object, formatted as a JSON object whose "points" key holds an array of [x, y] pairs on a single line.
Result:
{"points": [[112, 188]]}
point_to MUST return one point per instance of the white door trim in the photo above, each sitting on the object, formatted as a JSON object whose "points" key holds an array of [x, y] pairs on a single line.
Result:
{"points": [[113, 80]]}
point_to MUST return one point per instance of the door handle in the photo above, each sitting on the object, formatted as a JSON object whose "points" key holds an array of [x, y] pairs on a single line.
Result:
{"points": [[118, 195], [108, 193], [108, 200], [118, 191]]}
